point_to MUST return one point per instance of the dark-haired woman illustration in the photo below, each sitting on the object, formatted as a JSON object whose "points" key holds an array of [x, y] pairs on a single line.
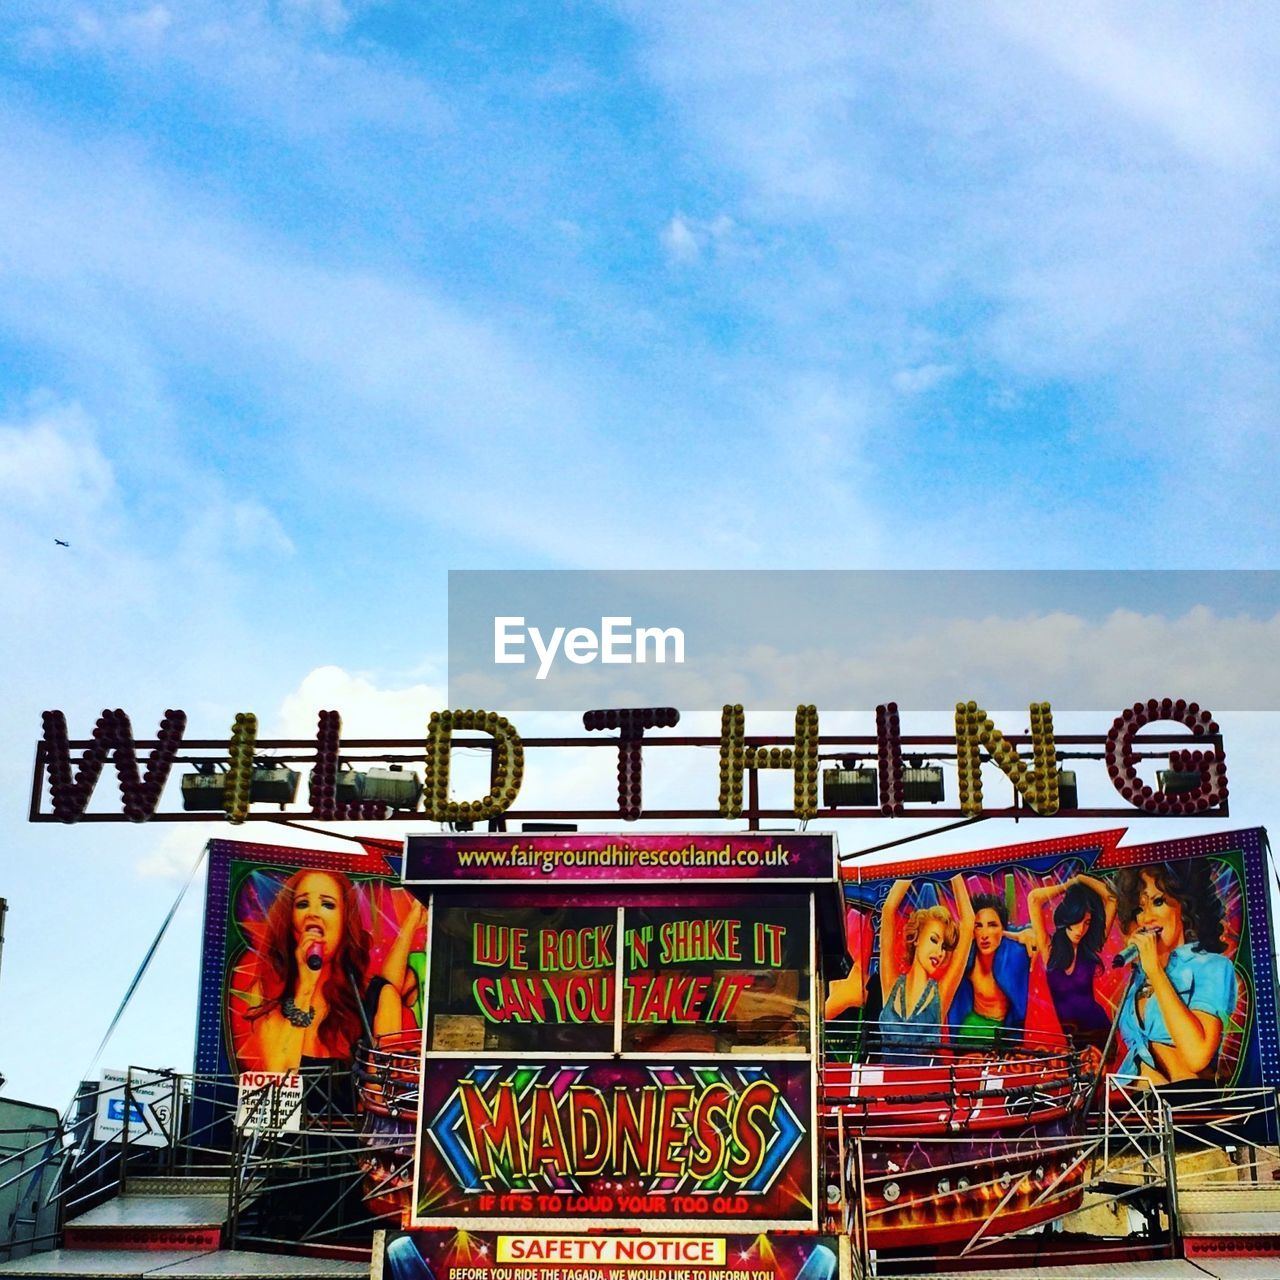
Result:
{"points": [[1073, 954], [1173, 1022]]}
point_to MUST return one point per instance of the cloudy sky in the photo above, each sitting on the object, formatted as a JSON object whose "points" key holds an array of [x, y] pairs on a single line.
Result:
{"points": [[303, 304]]}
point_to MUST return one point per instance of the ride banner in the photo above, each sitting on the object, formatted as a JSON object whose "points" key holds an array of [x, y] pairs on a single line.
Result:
{"points": [[1154, 962], [332, 937], [617, 1143]]}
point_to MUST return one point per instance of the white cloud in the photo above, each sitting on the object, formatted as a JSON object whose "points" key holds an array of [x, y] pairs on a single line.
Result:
{"points": [[685, 239], [235, 528], [821, 425], [915, 381], [1223, 662], [330, 15], [272, 64], [1165, 67], [51, 466], [172, 856], [1073, 196], [367, 710], [109, 249], [134, 30], [679, 240]]}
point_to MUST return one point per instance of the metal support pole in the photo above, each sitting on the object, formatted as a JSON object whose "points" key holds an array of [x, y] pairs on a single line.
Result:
{"points": [[860, 1209], [124, 1128], [1171, 1178]]}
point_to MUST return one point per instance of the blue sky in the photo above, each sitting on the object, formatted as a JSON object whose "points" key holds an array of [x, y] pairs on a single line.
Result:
{"points": [[304, 304]]}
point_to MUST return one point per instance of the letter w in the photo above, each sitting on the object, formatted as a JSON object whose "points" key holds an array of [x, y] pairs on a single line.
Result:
{"points": [[112, 740]]}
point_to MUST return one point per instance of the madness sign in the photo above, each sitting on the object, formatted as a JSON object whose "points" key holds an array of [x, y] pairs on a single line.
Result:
{"points": [[617, 1142]]}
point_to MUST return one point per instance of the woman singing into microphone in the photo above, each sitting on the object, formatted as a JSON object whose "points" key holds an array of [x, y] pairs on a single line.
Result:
{"points": [[1173, 1020], [305, 998]]}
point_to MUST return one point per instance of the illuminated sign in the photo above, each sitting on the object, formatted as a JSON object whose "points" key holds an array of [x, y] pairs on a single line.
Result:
{"points": [[782, 856], [228, 779], [694, 976], [602, 1142]]}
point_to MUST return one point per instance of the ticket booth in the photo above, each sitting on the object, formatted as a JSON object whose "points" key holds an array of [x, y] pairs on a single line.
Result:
{"points": [[621, 1056]]}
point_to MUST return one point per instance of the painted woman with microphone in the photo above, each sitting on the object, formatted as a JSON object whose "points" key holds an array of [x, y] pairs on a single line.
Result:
{"points": [[1176, 1009], [305, 1002]]}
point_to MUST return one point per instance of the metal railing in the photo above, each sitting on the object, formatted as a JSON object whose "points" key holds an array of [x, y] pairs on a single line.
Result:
{"points": [[964, 1191], [1236, 1135], [30, 1166], [911, 1201], [268, 1159]]}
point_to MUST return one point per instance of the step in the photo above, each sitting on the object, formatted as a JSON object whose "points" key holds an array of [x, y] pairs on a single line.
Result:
{"points": [[1225, 1200], [162, 1212], [154, 1211], [161, 1222], [226, 1264], [1226, 1225], [1148, 1269], [180, 1185]]}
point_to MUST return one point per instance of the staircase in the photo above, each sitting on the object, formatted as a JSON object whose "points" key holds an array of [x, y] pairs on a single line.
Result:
{"points": [[156, 1213], [161, 1228], [1223, 1220]]}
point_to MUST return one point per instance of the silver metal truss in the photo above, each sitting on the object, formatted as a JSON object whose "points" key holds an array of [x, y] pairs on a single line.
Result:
{"points": [[264, 1165]]}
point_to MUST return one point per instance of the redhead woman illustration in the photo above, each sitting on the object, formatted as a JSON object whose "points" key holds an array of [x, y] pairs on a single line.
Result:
{"points": [[1082, 920], [306, 1000], [1174, 1019], [917, 999]]}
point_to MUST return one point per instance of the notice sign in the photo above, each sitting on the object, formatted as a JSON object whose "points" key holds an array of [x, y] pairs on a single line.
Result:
{"points": [[136, 1107], [270, 1101], [613, 1251]]}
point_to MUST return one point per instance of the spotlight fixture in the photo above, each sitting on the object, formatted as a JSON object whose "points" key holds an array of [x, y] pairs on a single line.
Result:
{"points": [[922, 783], [849, 788], [1068, 792], [1176, 781], [273, 783], [202, 791], [346, 784], [391, 786]]}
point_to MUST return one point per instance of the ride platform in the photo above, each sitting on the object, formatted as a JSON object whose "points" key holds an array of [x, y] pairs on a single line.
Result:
{"points": [[151, 1264]]}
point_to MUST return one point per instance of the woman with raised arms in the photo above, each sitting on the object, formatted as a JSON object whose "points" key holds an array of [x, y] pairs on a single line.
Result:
{"points": [[918, 998]]}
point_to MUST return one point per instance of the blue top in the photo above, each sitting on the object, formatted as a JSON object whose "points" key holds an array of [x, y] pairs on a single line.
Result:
{"points": [[1011, 968], [918, 1028], [1205, 983]]}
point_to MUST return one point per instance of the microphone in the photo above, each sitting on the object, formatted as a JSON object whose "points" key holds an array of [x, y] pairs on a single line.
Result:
{"points": [[1130, 954], [315, 954]]}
